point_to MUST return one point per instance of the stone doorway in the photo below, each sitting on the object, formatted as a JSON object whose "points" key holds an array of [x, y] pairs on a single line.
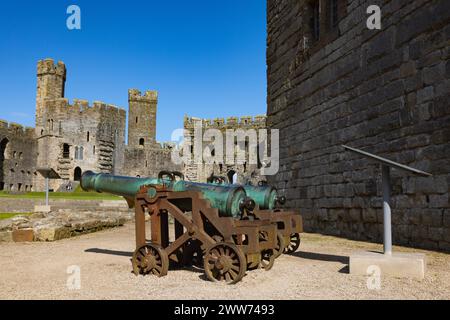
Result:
{"points": [[3, 145], [77, 174], [232, 176]]}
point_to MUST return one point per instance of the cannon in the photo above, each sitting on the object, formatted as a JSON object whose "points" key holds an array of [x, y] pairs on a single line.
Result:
{"points": [[210, 225], [227, 199], [267, 199]]}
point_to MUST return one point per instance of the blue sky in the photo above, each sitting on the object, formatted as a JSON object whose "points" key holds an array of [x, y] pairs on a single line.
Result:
{"points": [[205, 57]]}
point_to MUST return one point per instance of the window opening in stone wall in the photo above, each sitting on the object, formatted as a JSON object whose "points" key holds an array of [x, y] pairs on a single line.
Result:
{"points": [[315, 20], [76, 153], [87, 138], [80, 153], [141, 142], [333, 13], [66, 151]]}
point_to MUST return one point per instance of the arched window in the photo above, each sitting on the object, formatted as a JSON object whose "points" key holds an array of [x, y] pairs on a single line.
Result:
{"points": [[80, 154], [141, 142], [76, 153]]}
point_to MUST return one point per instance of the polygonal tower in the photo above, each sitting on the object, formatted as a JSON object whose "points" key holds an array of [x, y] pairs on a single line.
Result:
{"points": [[142, 118]]}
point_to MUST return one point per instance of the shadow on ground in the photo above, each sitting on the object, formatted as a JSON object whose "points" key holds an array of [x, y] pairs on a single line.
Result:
{"points": [[324, 257], [111, 252], [321, 257]]}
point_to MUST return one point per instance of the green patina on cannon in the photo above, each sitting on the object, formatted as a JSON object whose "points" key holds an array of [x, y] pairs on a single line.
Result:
{"points": [[289, 222], [265, 196], [228, 199]]}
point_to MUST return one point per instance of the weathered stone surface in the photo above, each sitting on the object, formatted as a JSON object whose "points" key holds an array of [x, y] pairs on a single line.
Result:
{"points": [[62, 224], [383, 91], [6, 236], [76, 137]]}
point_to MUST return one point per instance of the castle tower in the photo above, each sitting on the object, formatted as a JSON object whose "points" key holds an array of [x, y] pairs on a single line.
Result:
{"points": [[51, 80], [142, 118]]}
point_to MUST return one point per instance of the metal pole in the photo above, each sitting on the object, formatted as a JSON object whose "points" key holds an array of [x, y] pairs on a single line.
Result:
{"points": [[46, 191], [385, 180]]}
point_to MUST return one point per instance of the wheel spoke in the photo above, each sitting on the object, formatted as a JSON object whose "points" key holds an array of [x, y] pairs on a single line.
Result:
{"points": [[235, 268]]}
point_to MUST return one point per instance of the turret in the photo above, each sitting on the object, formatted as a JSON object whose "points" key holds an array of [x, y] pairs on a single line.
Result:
{"points": [[51, 79], [142, 118]]}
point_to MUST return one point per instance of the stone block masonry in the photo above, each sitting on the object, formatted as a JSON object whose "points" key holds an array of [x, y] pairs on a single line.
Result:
{"points": [[75, 137], [246, 173], [384, 91]]}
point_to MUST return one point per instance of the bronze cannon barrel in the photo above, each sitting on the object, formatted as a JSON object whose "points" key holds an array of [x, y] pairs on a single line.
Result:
{"points": [[265, 196], [228, 199]]}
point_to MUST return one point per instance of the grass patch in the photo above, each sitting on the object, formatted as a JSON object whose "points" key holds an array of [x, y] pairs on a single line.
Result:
{"points": [[7, 215], [61, 195]]}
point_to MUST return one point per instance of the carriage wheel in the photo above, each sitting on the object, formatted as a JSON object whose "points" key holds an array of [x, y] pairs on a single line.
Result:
{"points": [[225, 262], [150, 259], [267, 259], [281, 245], [294, 243]]}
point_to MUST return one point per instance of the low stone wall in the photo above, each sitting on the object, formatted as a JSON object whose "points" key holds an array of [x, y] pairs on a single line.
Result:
{"points": [[27, 205], [61, 224]]}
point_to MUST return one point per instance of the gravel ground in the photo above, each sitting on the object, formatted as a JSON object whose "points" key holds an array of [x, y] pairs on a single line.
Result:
{"points": [[317, 271]]}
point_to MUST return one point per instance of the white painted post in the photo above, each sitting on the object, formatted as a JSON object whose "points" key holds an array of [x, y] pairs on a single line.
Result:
{"points": [[385, 180]]}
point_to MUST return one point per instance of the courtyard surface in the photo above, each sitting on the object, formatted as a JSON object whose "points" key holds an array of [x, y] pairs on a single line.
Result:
{"points": [[319, 270]]}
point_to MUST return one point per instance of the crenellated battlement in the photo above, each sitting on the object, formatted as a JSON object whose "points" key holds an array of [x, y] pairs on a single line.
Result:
{"points": [[136, 95], [83, 106], [48, 66], [16, 128], [227, 123]]}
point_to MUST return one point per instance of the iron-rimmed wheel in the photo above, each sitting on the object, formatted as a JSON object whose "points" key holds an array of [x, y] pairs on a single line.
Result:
{"points": [[281, 245], [294, 243], [267, 259], [225, 262], [150, 259]]}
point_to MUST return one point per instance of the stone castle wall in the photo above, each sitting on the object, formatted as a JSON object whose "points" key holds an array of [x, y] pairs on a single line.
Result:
{"points": [[73, 138], [18, 150], [247, 173], [94, 137], [384, 91]]}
